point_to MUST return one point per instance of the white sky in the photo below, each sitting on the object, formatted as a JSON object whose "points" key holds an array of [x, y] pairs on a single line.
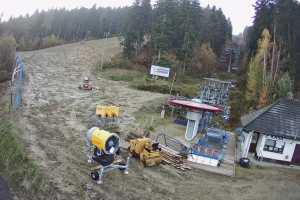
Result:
{"points": [[239, 11]]}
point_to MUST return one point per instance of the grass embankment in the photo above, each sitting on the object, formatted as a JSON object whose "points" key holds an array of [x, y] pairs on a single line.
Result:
{"points": [[137, 76], [21, 173]]}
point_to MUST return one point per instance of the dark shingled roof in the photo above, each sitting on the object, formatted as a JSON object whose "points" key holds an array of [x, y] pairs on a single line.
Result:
{"points": [[282, 119]]}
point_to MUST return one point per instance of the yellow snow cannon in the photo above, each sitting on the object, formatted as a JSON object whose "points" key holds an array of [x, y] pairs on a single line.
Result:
{"points": [[104, 141], [103, 148]]}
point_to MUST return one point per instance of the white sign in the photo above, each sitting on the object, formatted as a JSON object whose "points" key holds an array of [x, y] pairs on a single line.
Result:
{"points": [[160, 71]]}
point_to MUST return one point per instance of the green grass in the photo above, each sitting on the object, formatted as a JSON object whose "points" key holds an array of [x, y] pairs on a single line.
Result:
{"points": [[20, 172], [4, 105], [163, 86], [148, 117], [121, 78], [141, 81], [122, 74], [122, 69], [227, 76]]}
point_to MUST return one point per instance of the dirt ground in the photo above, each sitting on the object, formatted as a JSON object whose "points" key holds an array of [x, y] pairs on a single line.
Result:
{"points": [[55, 119]]}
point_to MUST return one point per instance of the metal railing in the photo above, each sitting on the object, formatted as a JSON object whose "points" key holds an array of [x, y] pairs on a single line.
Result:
{"points": [[17, 85]]}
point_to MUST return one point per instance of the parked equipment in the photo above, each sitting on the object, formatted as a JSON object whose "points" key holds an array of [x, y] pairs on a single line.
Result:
{"points": [[86, 84], [103, 148], [245, 162], [106, 116], [146, 151], [107, 111]]}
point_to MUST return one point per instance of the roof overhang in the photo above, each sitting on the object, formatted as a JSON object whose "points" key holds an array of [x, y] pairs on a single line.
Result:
{"points": [[194, 106]]}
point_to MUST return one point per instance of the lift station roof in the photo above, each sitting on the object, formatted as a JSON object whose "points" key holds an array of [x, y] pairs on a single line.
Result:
{"points": [[194, 106]]}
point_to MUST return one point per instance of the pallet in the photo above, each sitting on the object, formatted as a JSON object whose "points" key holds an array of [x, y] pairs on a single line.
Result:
{"points": [[171, 157]]}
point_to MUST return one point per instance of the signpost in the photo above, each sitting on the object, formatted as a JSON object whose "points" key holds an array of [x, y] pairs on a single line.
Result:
{"points": [[160, 71]]}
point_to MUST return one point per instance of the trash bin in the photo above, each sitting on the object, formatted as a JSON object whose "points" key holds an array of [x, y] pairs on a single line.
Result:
{"points": [[245, 162]]}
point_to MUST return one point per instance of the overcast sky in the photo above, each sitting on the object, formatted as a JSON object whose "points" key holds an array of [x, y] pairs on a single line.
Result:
{"points": [[239, 11]]}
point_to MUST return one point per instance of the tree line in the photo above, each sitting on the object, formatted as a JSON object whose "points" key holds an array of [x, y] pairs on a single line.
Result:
{"points": [[56, 26], [273, 52], [181, 28]]}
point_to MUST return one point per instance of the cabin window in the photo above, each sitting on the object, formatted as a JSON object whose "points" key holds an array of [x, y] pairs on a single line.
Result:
{"points": [[276, 146]]}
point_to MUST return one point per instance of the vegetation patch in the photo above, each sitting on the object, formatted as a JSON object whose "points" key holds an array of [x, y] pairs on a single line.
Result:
{"points": [[121, 69], [148, 116], [7, 57], [20, 172], [122, 75], [164, 86]]}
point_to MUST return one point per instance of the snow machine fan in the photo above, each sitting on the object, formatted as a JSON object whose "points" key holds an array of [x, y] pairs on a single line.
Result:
{"points": [[103, 148]]}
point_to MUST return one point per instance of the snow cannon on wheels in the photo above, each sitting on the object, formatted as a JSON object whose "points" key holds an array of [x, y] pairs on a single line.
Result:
{"points": [[103, 149], [86, 84]]}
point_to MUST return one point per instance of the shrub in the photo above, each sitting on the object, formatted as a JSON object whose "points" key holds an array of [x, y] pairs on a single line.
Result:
{"points": [[51, 41], [7, 57], [118, 62], [285, 85]]}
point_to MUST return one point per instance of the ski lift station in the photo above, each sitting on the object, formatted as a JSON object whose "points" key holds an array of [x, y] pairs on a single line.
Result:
{"points": [[197, 114]]}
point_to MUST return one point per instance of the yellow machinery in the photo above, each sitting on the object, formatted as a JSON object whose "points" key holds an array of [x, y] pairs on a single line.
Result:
{"points": [[103, 140], [107, 116], [107, 111], [103, 148], [146, 151]]}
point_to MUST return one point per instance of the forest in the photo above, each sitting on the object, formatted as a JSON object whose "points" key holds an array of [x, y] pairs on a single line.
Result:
{"points": [[58, 26], [273, 52], [180, 29]]}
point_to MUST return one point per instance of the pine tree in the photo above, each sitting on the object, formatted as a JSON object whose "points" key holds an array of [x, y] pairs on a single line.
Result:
{"points": [[138, 25], [189, 19], [285, 85], [165, 26]]}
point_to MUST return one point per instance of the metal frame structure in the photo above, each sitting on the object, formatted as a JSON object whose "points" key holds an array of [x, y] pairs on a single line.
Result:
{"points": [[172, 143], [98, 173], [216, 92], [16, 84]]}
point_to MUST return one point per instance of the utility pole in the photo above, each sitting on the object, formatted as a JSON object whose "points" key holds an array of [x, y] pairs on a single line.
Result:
{"points": [[230, 61], [102, 61]]}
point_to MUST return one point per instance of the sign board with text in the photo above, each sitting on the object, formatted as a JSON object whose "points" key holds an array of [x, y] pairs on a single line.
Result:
{"points": [[160, 71]]}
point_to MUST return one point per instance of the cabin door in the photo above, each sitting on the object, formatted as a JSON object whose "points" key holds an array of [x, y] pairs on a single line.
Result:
{"points": [[296, 156]]}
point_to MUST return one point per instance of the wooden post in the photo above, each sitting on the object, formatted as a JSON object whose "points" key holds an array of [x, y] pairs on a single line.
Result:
{"points": [[171, 88], [101, 64], [230, 62], [152, 120], [163, 112]]}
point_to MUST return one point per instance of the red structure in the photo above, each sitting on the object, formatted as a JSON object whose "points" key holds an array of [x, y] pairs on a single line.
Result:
{"points": [[195, 115], [193, 106]]}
